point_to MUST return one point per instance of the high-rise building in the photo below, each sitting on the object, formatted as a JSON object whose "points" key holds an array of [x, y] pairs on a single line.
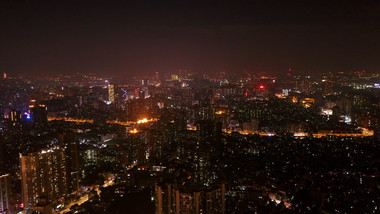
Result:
{"points": [[5, 191], [2, 150], [303, 84], [112, 93], [190, 199], [14, 115], [174, 77], [328, 87], [69, 141], [43, 174], [251, 126], [39, 113]]}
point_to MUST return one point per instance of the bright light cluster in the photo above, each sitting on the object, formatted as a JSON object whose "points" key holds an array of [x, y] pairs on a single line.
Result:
{"points": [[133, 131], [143, 121]]}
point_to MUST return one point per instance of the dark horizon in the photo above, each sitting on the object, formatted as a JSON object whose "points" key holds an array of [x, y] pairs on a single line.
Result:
{"points": [[42, 37]]}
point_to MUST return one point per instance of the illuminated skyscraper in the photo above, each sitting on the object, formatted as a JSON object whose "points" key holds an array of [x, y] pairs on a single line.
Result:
{"points": [[43, 173], [174, 77], [14, 116], [4, 192], [112, 93]]}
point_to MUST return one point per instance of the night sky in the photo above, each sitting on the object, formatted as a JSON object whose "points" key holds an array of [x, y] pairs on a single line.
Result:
{"points": [[141, 37]]}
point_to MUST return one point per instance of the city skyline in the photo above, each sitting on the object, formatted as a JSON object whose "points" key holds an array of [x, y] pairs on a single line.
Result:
{"points": [[189, 143], [189, 107]]}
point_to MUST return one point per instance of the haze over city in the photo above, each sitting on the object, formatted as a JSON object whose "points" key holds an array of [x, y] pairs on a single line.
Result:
{"points": [[142, 37]]}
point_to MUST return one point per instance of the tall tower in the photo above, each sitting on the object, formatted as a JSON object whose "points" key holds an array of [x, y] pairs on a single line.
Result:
{"points": [[5, 191], [112, 93], [43, 173], [69, 141]]}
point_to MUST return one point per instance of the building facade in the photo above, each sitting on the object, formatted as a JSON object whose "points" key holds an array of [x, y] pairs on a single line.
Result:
{"points": [[192, 199], [4, 192], [44, 174]]}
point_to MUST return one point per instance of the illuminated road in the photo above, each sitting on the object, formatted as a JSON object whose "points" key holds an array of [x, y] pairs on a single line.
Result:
{"points": [[248, 132], [127, 123], [81, 200], [364, 133], [85, 198]]}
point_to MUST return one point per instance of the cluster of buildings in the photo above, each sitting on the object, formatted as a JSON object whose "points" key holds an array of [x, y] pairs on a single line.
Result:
{"points": [[190, 143]]}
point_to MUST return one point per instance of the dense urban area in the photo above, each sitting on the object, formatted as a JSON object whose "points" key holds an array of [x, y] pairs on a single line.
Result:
{"points": [[184, 142]]}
